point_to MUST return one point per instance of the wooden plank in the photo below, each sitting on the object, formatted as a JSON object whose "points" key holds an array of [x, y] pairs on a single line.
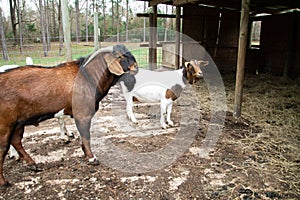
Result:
{"points": [[158, 15], [182, 2], [156, 2], [243, 36]]}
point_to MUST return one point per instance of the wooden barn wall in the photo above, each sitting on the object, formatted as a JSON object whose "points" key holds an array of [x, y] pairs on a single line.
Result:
{"points": [[280, 44], [201, 24]]}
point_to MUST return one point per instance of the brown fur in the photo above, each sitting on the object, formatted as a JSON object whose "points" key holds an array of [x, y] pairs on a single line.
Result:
{"points": [[31, 94]]}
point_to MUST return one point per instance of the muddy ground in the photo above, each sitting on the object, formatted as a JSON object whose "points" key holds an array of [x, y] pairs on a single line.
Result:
{"points": [[256, 157]]}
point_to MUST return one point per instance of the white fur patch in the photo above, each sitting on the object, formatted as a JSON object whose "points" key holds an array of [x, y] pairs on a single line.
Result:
{"points": [[4, 68], [60, 114]]}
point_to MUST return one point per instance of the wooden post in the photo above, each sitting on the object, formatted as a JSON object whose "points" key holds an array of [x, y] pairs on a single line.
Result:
{"points": [[289, 56], [177, 38], [150, 58], [153, 39], [66, 28], [242, 49]]}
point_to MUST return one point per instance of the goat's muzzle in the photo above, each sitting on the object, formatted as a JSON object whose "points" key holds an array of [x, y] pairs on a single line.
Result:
{"points": [[133, 69]]}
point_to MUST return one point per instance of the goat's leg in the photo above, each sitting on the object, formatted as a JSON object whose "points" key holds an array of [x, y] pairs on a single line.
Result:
{"points": [[83, 125], [169, 110], [163, 107], [16, 141], [64, 134], [129, 106], [4, 146]]}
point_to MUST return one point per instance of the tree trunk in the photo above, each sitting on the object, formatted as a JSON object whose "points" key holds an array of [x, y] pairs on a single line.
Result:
{"points": [[20, 27], [66, 28], [104, 19], [96, 26], [43, 28], [61, 34], [118, 22], [12, 6], [112, 16], [4, 48], [54, 30], [47, 25], [87, 22], [127, 19], [77, 21]]}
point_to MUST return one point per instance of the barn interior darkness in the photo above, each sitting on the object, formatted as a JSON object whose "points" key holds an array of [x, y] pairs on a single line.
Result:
{"points": [[215, 25]]}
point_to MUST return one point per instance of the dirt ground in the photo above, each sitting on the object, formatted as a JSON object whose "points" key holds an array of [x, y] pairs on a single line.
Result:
{"points": [[256, 157]]}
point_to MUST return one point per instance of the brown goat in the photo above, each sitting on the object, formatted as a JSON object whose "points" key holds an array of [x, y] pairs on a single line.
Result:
{"points": [[31, 94]]}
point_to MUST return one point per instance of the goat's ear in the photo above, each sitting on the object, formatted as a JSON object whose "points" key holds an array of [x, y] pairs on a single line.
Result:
{"points": [[113, 64], [186, 64], [203, 63]]}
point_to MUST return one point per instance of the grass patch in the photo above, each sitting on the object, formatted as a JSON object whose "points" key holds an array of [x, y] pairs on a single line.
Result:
{"points": [[83, 49]]}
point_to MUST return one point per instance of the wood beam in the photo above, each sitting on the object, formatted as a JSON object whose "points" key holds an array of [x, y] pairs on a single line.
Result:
{"points": [[177, 38], [158, 15], [241, 60], [156, 2], [182, 2], [153, 39]]}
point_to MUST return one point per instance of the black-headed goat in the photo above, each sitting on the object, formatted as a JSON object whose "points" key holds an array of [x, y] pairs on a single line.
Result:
{"points": [[31, 94]]}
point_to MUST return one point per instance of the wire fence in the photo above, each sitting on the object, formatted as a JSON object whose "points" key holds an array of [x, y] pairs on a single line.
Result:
{"points": [[56, 54]]}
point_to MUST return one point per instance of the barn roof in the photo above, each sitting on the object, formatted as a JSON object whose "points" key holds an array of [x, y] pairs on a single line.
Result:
{"points": [[256, 6]]}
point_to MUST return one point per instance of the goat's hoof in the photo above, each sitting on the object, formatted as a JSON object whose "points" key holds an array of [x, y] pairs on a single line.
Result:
{"points": [[16, 158], [5, 186], [170, 123], [71, 135], [66, 141], [94, 161], [164, 126], [134, 121], [34, 168]]}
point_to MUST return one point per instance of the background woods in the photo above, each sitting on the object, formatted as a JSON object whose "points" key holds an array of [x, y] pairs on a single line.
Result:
{"points": [[26, 22]]}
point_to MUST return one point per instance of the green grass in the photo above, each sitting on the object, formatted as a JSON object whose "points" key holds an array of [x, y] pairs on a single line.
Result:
{"points": [[35, 51]]}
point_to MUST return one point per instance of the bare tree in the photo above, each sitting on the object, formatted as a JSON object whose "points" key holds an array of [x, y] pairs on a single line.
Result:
{"points": [[54, 28], [118, 21], [42, 15], [20, 27], [12, 9], [61, 41], [96, 26], [77, 14], [86, 21], [112, 14], [127, 19], [66, 28], [4, 47], [104, 18], [47, 33]]}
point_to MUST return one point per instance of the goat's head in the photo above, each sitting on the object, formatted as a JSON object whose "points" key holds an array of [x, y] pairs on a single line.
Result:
{"points": [[121, 60], [193, 70]]}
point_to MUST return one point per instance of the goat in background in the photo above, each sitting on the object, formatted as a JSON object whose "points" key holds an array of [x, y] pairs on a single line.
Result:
{"points": [[165, 87]]}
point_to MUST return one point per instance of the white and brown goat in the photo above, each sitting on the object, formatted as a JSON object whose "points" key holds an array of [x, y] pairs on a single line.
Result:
{"points": [[164, 87], [31, 94]]}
